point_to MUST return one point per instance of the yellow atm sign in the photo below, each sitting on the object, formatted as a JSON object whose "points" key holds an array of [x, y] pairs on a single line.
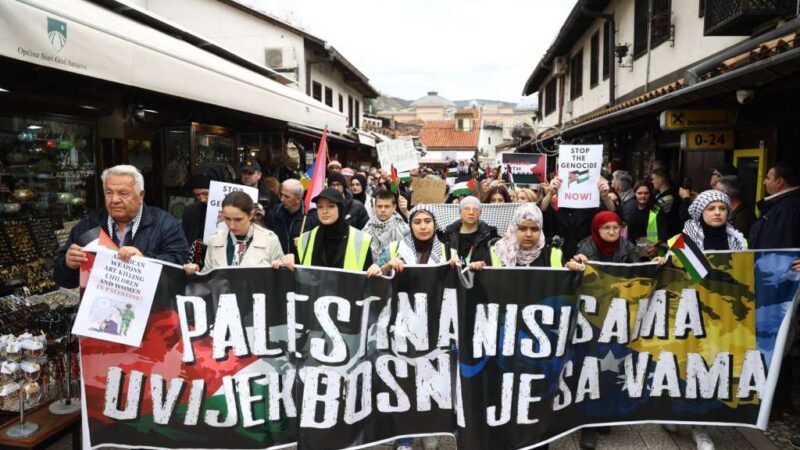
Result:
{"points": [[693, 119], [707, 140]]}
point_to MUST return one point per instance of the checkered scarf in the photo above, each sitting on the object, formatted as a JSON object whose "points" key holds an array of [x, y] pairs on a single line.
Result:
{"points": [[112, 225], [694, 228]]}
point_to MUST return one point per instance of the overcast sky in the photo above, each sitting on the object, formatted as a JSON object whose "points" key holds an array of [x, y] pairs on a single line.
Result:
{"points": [[463, 49]]}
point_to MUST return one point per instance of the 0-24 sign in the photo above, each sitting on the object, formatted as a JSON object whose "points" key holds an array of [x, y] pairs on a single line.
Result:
{"points": [[707, 140]]}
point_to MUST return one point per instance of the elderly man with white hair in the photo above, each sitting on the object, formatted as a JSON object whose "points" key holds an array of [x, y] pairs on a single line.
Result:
{"points": [[286, 218], [137, 229]]}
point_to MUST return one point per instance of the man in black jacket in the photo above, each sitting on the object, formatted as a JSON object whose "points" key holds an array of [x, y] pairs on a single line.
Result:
{"points": [[780, 212], [622, 183], [469, 236], [286, 219], [138, 230]]}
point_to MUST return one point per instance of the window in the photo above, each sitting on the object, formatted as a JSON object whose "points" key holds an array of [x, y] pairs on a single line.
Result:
{"points": [[608, 39], [660, 28], [349, 111], [576, 75], [316, 91], [357, 117], [594, 60], [662, 22], [550, 97], [639, 28], [341, 103], [329, 96]]}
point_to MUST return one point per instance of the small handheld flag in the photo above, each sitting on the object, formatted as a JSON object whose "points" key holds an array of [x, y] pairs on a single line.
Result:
{"points": [[690, 255], [394, 185]]}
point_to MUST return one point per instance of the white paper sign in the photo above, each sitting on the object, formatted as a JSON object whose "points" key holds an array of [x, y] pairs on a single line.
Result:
{"points": [[118, 297], [216, 193], [579, 169], [400, 152]]}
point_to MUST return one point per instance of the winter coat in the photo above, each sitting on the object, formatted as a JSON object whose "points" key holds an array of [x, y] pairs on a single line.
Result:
{"points": [[159, 236], [264, 249], [778, 226], [625, 254], [481, 252]]}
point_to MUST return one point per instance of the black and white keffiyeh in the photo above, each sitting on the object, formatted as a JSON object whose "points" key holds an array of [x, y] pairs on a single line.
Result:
{"points": [[694, 227]]}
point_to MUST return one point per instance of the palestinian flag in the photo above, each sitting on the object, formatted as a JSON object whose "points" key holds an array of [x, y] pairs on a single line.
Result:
{"points": [[405, 177], [394, 185], [452, 172], [690, 255], [578, 176], [92, 241], [464, 187]]}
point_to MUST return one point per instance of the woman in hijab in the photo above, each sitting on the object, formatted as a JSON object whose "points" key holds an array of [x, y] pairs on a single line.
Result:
{"points": [[331, 244], [709, 226], [524, 245], [605, 244], [358, 186], [421, 247]]}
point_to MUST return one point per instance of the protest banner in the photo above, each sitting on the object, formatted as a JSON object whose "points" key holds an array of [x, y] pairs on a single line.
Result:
{"points": [[579, 170], [216, 193], [428, 190], [324, 358], [398, 152], [117, 300], [525, 168]]}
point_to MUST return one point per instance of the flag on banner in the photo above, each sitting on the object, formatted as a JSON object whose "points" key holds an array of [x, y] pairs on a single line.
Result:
{"points": [[578, 176], [693, 259], [464, 187], [394, 185], [317, 183]]}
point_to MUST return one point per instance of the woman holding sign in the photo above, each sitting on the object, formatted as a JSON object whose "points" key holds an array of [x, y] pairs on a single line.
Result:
{"points": [[242, 243]]}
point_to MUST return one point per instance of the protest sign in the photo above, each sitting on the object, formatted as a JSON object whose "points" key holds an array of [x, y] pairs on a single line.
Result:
{"points": [[216, 193], [428, 190], [398, 152], [579, 169], [117, 300], [525, 168], [257, 358]]}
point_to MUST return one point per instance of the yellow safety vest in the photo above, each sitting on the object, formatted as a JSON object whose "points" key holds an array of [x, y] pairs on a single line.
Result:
{"points": [[555, 257], [355, 255], [652, 225]]}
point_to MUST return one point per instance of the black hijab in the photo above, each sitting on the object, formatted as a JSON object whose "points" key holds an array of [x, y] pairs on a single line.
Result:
{"points": [[331, 241], [362, 197], [423, 248]]}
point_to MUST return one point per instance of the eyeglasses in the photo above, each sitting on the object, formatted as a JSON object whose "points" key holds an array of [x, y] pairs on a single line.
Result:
{"points": [[610, 228]]}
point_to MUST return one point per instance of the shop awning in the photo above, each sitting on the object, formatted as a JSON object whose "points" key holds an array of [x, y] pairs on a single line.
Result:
{"points": [[81, 37]]}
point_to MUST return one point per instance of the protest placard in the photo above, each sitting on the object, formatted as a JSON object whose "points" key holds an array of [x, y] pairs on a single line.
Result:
{"points": [[216, 193], [118, 297], [579, 169], [525, 168], [428, 190], [398, 152]]}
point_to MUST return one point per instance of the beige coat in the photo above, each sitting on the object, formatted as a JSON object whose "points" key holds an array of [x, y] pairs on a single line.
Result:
{"points": [[264, 249]]}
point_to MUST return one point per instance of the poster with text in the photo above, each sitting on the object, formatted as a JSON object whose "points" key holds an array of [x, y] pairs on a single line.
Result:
{"points": [[117, 300], [579, 169], [398, 152], [525, 168], [216, 193]]}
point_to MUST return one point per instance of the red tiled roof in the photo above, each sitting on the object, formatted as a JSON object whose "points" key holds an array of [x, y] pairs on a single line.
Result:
{"points": [[443, 134]]}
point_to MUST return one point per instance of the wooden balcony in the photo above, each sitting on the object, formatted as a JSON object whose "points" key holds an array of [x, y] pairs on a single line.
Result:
{"points": [[741, 17]]}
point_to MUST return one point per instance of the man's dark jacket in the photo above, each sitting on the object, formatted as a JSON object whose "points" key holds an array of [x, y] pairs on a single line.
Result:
{"points": [[779, 225], [287, 225], [159, 236]]}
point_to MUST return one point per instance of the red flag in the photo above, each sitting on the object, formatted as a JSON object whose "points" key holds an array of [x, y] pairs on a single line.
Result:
{"points": [[317, 183]]}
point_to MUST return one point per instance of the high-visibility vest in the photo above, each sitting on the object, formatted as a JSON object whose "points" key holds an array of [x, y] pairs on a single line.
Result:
{"points": [[355, 255], [394, 252], [555, 257], [652, 225]]}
